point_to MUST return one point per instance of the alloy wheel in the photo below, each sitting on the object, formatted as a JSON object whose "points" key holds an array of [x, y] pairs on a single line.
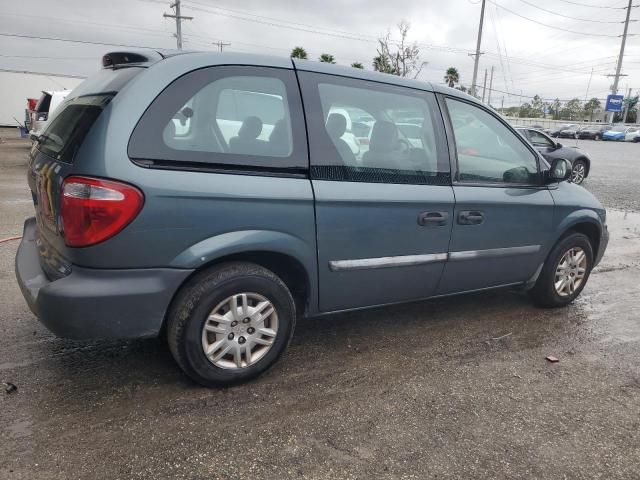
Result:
{"points": [[570, 272], [578, 172], [240, 331]]}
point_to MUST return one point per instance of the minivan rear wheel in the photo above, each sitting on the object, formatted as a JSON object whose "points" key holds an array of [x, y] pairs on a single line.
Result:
{"points": [[231, 323], [565, 273]]}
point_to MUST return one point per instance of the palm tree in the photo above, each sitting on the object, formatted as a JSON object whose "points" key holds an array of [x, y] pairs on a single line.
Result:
{"points": [[452, 76], [357, 65], [327, 58], [299, 52]]}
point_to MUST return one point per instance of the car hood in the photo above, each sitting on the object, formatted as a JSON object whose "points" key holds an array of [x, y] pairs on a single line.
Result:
{"points": [[612, 133]]}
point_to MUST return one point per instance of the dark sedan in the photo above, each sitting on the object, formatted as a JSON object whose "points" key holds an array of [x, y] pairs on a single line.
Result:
{"points": [[557, 131], [593, 132], [580, 162]]}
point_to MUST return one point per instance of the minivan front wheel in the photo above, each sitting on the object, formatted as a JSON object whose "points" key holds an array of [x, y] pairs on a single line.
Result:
{"points": [[565, 273], [230, 324]]}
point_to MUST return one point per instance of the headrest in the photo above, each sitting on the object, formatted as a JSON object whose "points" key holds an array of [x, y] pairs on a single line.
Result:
{"points": [[336, 125], [251, 128], [384, 136]]}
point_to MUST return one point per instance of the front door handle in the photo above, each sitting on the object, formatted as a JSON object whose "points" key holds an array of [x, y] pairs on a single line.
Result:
{"points": [[433, 219], [470, 217]]}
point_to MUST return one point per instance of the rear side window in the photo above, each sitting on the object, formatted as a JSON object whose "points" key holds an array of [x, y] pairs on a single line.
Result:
{"points": [[369, 132], [44, 103], [64, 136], [225, 117]]}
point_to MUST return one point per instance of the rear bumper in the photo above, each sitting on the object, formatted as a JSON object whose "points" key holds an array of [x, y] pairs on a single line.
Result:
{"points": [[95, 303]]}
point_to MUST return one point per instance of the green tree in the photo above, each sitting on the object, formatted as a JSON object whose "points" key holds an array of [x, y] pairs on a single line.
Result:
{"points": [[327, 58], [572, 110], [591, 107], [525, 110], [382, 64], [299, 52], [357, 65], [451, 77], [631, 103], [537, 107]]}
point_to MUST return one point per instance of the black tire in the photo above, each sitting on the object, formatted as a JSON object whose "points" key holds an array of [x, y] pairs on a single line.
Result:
{"points": [[195, 301], [596, 137], [578, 164], [544, 292]]}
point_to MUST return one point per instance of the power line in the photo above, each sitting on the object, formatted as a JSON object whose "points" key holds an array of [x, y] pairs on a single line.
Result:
{"points": [[567, 16], [45, 57], [44, 74], [87, 42], [591, 6], [551, 26], [132, 28]]}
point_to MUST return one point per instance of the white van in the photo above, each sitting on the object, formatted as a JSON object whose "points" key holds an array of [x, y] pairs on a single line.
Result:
{"points": [[39, 118]]}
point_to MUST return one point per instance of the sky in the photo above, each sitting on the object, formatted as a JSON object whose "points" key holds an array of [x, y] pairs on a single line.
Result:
{"points": [[537, 47]]}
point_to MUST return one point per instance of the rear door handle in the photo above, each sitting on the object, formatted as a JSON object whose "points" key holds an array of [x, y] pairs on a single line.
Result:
{"points": [[470, 217], [433, 219]]}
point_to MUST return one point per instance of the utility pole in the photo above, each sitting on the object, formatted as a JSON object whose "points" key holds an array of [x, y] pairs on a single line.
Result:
{"points": [[484, 85], [179, 18], [502, 106], [626, 108], [221, 44], [476, 55], [614, 87], [490, 86]]}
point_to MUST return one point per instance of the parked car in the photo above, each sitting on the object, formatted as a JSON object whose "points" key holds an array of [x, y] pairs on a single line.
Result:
{"points": [[618, 133], [556, 131], [632, 136], [222, 243], [570, 132], [44, 110], [593, 132], [550, 150]]}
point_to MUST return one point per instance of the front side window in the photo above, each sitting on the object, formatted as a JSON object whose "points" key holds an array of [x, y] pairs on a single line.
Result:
{"points": [[225, 116], [539, 139], [366, 132], [487, 151]]}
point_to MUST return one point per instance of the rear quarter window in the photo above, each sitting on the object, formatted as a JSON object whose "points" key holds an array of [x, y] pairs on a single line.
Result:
{"points": [[64, 136], [225, 117]]}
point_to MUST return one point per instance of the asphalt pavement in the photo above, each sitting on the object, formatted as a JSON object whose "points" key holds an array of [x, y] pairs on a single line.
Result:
{"points": [[450, 388]]}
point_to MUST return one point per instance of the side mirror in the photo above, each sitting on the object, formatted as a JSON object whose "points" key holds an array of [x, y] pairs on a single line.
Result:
{"points": [[558, 145], [560, 170]]}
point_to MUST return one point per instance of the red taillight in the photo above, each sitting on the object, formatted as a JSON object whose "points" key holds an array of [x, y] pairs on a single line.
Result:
{"points": [[94, 210]]}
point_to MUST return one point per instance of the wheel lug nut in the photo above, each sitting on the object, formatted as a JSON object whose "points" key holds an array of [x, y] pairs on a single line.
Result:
{"points": [[241, 340], [246, 320], [230, 336], [234, 323], [250, 330]]}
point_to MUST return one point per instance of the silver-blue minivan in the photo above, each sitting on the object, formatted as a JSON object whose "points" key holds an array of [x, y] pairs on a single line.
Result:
{"points": [[215, 198]]}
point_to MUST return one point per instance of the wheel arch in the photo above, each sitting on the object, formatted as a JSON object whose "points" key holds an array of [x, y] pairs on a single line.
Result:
{"points": [[289, 257], [587, 163], [582, 221]]}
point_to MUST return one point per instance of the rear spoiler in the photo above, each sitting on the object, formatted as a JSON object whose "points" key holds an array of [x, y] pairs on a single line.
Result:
{"points": [[141, 58], [130, 59]]}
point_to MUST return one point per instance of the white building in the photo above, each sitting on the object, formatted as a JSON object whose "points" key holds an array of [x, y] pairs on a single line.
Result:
{"points": [[17, 86]]}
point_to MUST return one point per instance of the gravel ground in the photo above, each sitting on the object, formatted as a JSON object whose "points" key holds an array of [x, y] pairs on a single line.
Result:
{"points": [[452, 388]]}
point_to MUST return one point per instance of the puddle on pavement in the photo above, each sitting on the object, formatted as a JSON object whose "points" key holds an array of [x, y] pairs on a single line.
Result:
{"points": [[610, 300]]}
